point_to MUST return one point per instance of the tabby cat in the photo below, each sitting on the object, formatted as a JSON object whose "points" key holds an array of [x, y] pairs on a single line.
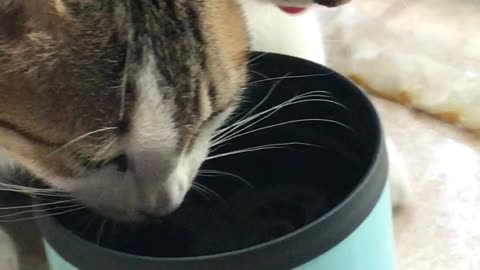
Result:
{"points": [[115, 101]]}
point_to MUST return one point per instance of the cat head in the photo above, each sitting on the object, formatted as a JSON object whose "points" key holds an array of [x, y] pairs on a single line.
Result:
{"points": [[115, 101]]}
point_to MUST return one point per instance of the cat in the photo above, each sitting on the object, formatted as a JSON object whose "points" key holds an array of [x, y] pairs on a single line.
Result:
{"points": [[115, 101]]}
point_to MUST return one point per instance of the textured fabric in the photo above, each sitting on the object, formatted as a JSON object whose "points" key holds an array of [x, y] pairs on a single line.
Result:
{"points": [[423, 54]]}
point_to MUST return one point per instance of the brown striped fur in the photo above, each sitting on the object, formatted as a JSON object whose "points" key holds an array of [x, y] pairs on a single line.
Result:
{"points": [[70, 67]]}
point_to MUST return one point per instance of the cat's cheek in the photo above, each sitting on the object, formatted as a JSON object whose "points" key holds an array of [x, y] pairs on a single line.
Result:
{"points": [[182, 178], [192, 159]]}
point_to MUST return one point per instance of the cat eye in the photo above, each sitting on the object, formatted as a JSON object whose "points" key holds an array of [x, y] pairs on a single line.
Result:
{"points": [[121, 162], [123, 126]]}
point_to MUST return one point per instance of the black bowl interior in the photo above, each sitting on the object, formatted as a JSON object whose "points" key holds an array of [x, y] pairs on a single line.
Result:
{"points": [[315, 149]]}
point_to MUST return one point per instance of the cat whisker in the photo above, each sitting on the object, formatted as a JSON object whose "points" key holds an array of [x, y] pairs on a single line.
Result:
{"points": [[201, 193], [31, 191], [229, 134], [293, 77], [256, 58], [223, 138], [42, 216], [25, 187], [320, 120], [39, 196], [260, 148], [310, 94], [207, 190], [37, 205], [268, 95], [34, 194], [24, 190], [259, 74], [232, 127], [128, 59], [199, 188], [86, 135], [222, 133], [32, 211], [101, 230], [221, 173]]}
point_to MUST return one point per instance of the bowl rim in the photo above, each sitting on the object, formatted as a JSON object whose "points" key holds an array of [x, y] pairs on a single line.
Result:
{"points": [[377, 168]]}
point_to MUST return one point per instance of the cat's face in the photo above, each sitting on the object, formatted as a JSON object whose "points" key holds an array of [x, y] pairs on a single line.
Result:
{"points": [[115, 101]]}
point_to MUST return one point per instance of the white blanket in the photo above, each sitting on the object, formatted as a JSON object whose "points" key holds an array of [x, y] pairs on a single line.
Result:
{"points": [[424, 53]]}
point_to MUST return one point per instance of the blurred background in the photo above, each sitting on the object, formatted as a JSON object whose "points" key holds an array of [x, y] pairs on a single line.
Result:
{"points": [[420, 61]]}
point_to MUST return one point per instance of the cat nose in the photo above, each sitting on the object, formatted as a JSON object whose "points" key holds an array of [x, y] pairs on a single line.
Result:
{"points": [[161, 206], [121, 162]]}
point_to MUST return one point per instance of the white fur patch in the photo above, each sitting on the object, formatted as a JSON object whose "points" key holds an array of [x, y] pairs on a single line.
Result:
{"points": [[272, 30]]}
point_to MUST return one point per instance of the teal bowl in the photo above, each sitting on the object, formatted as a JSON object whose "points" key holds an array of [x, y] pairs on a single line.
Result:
{"points": [[327, 163]]}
